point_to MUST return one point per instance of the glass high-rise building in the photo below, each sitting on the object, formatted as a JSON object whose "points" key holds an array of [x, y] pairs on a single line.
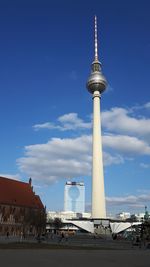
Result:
{"points": [[74, 197]]}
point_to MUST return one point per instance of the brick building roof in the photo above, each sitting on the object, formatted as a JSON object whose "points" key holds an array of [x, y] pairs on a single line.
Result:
{"points": [[18, 193]]}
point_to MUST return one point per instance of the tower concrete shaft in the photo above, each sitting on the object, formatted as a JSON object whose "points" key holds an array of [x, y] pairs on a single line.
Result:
{"points": [[96, 85], [98, 192]]}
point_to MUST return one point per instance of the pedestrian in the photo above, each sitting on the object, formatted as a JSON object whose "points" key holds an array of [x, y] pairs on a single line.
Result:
{"points": [[66, 237], [24, 236], [7, 234], [62, 237], [21, 236]]}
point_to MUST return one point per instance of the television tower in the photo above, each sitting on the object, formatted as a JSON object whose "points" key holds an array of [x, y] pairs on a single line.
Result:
{"points": [[96, 84]]}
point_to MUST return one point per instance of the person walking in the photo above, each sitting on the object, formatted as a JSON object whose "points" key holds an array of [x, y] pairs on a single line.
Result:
{"points": [[21, 236], [7, 234], [62, 237]]}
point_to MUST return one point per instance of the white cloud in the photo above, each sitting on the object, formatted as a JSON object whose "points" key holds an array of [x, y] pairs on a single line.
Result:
{"points": [[45, 125], [137, 206], [61, 158], [71, 157], [66, 122], [71, 121], [119, 120], [130, 200], [147, 105], [126, 144], [109, 159], [144, 191], [11, 176], [121, 200], [145, 166], [126, 202]]}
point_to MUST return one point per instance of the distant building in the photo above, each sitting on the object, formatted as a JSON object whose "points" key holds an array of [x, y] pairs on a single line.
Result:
{"points": [[134, 217], [67, 215], [138, 216], [74, 197], [21, 210], [123, 215], [70, 221]]}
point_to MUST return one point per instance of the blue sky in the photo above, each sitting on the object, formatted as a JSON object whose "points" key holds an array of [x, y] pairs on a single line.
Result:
{"points": [[46, 50]]}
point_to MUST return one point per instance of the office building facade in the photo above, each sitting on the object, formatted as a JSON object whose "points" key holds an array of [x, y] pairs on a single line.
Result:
{"points": [[74, 197]]}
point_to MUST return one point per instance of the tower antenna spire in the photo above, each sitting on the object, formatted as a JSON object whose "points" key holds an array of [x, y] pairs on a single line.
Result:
{"points": [[96, 43]]}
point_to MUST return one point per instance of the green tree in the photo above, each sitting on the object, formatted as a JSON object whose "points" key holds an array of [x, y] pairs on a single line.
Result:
{"points": [[57, 223]]}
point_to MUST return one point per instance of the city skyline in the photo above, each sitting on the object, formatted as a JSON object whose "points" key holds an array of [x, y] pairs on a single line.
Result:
{"points": [[45, 110]]}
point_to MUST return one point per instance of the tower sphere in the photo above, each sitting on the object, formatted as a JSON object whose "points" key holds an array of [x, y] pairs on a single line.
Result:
{"points": [[96, 81]]}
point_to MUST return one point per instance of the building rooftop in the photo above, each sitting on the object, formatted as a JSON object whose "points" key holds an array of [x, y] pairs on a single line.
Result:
{"points": [[18, 193], [75, 183]]}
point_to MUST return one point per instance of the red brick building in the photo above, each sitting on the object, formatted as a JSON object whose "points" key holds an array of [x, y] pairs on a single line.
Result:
{"points": [[21, 210]]}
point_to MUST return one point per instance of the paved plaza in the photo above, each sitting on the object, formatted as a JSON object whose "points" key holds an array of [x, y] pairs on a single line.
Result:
{"points": [[74, 258], [82, 250], [84, 241]]}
